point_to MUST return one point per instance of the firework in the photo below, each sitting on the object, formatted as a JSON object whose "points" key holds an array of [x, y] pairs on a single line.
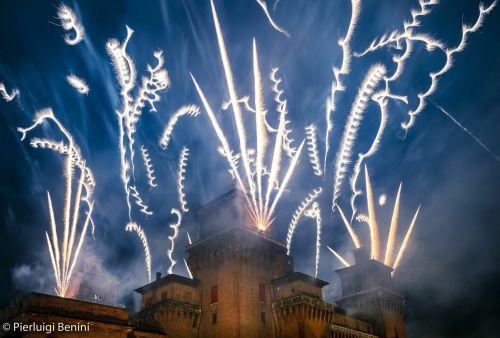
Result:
{"points": [[132, 226], [62, 251], [78, 84], [261, 205], [172, 238], [367, 88], [263, 4], [5, 95], [181, 176], [148, 165], [391, 240], [312, 149], [69, 22], [304, 205], [189, 110], [339, 257], [315, 213]]}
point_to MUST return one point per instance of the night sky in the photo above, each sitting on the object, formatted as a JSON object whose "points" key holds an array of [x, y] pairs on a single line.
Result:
{"points": [[450, 274]]}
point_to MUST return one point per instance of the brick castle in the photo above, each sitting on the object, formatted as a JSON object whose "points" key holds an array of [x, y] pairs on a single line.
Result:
{"points": [[244, 285]]}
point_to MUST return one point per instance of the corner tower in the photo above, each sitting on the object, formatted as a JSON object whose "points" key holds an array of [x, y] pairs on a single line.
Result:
{"points": [[367, 289]]}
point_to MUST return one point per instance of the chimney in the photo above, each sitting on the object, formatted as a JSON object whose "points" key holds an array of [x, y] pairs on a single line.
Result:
{"points": [[158, 275]]}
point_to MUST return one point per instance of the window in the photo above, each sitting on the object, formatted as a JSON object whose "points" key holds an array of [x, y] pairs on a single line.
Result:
{"points": [[214, 294], [195, 321], [214, 317], [262, 293], [263, 316]]}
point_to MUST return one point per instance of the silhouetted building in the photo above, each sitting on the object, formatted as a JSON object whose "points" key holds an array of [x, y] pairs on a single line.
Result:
{"points": [[244, 285]]}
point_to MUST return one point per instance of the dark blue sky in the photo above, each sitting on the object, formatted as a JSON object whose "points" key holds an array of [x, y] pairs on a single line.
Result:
{"points": [[451, 268]]}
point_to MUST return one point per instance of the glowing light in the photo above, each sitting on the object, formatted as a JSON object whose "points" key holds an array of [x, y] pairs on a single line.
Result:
{"points": [[188, 110], [188, 270], [181, 176], [263, 4], [172, 238], [382, 200], [78, 84], [5, 95], [339, 257], [69, 22]]}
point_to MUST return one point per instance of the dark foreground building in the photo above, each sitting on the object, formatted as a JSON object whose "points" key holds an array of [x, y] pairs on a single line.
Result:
{"points": [[244, 285]]}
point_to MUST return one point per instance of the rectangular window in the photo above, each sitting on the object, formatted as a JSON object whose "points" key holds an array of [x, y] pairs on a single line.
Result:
{"points": [[214, 297], [214, 317], [263, 316], [262, 293]]}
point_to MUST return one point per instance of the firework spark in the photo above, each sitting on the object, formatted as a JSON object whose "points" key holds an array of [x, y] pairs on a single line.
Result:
{"points": [[315, 213], [304, 205], [62, 251], [172, 238], [181, 176], [261, 206], [148, 165], [367, 88], [348, 225], [78, 83], [132, 226], [312, 149], [69, 22], [391, 239], [478, 141], [263, 4], [339, 257], [188, 110], [5, 95], [345, 68], [405, 241]]}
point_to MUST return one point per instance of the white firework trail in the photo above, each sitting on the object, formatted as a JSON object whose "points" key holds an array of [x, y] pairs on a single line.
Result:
{"points": [[63, 253], [261, 208], [393, 230], [172, 238], [304, 205], [79, 84], [188, 269], [312, 149], [382, 199], [339, 257], [5, 95], [405, 241], [315, 213], [148, 165], [354, 237], [128, 117], [189, 238], [382, 103], [263, 4], [345, 68], [495, 156], [188, 110], [69, 21], [181, 177], [139, 202], [409, 36], [132, 226], [365, 92], [375, 246]]}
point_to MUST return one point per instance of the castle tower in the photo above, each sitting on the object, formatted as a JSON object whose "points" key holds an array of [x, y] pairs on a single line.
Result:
{"points": [[236, 265], [367, 290]]}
